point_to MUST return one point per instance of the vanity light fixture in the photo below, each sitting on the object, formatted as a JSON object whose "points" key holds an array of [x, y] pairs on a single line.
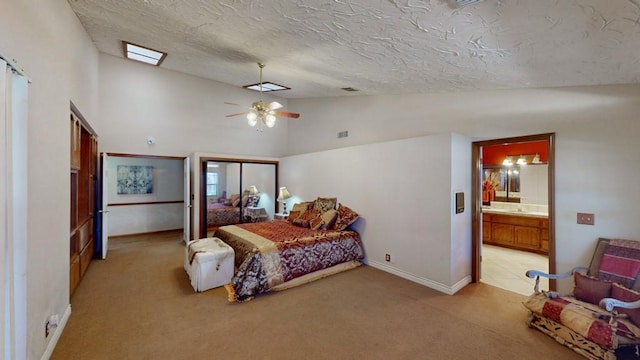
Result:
{"points": [[536, 159], [508, 161], [521, 160]]}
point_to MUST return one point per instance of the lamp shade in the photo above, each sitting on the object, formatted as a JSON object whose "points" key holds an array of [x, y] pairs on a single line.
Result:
{"points": [[253, 190], [283, 194]]}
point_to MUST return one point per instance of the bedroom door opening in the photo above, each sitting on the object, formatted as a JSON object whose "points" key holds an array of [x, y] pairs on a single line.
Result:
{"points": [[513, 207]]}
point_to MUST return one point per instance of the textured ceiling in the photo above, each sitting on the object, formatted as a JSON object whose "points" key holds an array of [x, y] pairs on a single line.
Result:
{"points": [[317, 47]]}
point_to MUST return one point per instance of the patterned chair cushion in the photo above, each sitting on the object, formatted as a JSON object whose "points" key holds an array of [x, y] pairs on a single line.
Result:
{"points": [[627, 295], [580, 317], [590, 289], [620, 262]]}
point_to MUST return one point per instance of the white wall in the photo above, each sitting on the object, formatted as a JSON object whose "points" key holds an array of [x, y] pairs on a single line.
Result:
{"points": [[460, 223], [596, 145], [402, 191], [183, 113], [136, 219], [534, 182], [48, 42]]}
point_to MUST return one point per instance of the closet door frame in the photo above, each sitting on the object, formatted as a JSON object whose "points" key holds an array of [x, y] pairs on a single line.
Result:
{"points": [[203, 182]]}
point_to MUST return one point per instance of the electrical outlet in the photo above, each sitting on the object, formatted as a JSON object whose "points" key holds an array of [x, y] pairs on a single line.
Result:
{"points": [[586, 219], [387, 257], [51, 322]]}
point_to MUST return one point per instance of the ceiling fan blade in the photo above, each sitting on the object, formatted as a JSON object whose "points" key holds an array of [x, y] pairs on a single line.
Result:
{"points": [[286, 114], [275, 105], [242, 113], [229, 103]]}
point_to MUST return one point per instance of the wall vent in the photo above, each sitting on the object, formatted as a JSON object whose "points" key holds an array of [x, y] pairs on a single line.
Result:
{"points": [[343, 134], [350, 89], [463, 3]]}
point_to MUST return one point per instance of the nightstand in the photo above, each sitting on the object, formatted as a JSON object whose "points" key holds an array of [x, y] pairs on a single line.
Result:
{"points": [[255, 214], [280, 216]]}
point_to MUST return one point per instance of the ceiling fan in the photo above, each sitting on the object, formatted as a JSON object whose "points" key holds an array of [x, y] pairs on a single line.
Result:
{"points": [[263, 111]]}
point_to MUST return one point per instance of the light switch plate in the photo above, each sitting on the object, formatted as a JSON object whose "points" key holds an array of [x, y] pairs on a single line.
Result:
{"points": [[586, 218]]}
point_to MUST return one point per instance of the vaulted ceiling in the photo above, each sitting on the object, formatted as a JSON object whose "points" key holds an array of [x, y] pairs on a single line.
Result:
{"points": [[317, 47]]}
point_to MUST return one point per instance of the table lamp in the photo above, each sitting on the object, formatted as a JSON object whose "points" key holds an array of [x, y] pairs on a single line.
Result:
{"points": [[283, 195]]}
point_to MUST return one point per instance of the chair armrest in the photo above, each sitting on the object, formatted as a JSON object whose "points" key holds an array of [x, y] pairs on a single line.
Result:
{"points": [[536, 274], [610, 303]]}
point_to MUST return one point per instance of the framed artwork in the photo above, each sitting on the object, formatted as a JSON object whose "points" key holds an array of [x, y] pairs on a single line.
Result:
{"points": [[134, 179]]}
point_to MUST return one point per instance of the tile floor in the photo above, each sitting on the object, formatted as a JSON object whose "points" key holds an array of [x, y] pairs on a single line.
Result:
{"points": [[505, 268]]}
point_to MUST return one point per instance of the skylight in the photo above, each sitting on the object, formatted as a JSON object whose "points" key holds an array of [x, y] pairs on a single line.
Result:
{"points": [[266, 86], [142, 54]]}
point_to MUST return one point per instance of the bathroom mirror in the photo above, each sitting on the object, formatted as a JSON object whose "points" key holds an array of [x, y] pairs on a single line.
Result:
{"points": [[504, 181]]}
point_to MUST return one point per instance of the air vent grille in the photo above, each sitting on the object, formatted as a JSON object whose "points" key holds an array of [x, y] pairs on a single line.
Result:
{"points": [[350, 89], [463, 3], [343, 134]]}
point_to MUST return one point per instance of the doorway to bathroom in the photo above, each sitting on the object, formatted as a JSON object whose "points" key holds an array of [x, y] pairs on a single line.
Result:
{"points": [[513, 211]]}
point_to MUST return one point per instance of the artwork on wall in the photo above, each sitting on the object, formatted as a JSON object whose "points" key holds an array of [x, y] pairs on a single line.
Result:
{"points": [[135, 179]]}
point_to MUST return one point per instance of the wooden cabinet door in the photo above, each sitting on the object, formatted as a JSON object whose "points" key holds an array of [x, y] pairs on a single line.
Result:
{"points": [[502, 234], [76, 131], [486, 231], [74, 274], [528, 237], [544, 236]]}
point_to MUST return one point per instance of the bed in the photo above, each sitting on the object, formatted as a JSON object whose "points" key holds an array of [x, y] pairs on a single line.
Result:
{"points": [[277, 255], [219, 214]]}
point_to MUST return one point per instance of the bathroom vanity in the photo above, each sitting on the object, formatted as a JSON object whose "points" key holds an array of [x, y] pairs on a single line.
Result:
{"points": [[521, 230]]}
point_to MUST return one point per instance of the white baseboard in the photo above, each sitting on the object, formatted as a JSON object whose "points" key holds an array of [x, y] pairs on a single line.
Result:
{"points": [[56, 334], [450, 290]]}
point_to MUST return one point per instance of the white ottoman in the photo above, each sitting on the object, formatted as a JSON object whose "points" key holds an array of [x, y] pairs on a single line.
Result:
{"points": [[209, 263]]}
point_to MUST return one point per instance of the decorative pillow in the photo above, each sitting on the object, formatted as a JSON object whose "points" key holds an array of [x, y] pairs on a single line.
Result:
{"points": [[293, 215], [627, 295], [236, 202], [245, 200], [590, 289], [300, 222], [316, 223], [302, 207], [310, 214], [324, 204], [345, 218], [253, 200], [231, 201], [328, 219]]}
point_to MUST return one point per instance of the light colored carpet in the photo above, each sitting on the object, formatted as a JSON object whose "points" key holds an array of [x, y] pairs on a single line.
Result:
{"points": [[138, 304]]}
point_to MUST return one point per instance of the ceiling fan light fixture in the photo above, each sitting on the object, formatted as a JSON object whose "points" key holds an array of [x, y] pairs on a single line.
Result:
{"points": [[262, 111], [270, 120], [252, 118]]}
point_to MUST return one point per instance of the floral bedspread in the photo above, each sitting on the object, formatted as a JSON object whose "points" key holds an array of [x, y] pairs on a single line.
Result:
{"points": [[220, 215], [271, 253]]}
